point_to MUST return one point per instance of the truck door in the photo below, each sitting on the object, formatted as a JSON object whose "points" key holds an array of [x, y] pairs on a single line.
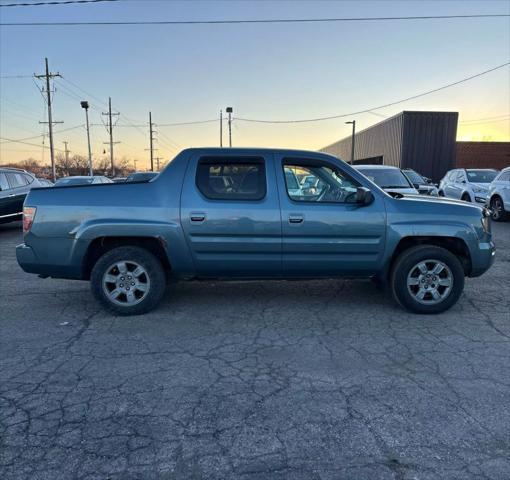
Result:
{"points": [[230, 214], [324, 231]]}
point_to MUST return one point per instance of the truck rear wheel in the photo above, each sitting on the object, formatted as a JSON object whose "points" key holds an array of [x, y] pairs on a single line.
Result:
{"points": [[128, 281], [427, 279]]}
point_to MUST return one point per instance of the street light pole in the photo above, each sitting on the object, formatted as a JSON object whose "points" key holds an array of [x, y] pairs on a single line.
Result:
{"points": [[229, 111], [85, 105], [221, 128], [353, 139]]}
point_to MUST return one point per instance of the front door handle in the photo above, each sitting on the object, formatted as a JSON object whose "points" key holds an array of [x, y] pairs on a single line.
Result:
{"points": [[197, 217], [296, 218]]}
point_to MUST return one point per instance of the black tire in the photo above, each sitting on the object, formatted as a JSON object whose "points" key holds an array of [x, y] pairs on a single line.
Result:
{"points": [[407, 262], [153, 274], [497, 214], [440, 193], [466, 197]]}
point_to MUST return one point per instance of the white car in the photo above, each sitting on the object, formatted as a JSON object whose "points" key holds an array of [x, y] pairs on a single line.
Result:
{"points": [[468, 184], [390, 179], [498, 198]]}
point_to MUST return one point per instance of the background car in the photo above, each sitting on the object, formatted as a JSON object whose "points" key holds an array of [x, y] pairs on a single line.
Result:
{"points": [[470, 185], [44, 182], [422, 184], [81, 180], [390, 179], [498, 198], [14, 187], [141, 176]]}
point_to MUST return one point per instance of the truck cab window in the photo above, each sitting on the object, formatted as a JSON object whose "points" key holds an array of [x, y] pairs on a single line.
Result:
{"points": [[232, 179], [318, 183]]}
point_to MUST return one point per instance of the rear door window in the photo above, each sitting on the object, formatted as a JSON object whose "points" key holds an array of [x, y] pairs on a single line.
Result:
{"points": [[16, 180], [232, 178], [4, 184]]}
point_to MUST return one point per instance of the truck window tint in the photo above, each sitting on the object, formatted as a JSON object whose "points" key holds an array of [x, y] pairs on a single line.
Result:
{"points": [[231, 180], [316, 183], [4, 185]]}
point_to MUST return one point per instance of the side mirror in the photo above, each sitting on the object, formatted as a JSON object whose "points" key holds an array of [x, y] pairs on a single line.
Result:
{"points": [[364, 196], [416, 185]]}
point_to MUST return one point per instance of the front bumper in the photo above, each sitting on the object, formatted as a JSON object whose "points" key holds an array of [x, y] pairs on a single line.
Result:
{"points": [[483, 259]]}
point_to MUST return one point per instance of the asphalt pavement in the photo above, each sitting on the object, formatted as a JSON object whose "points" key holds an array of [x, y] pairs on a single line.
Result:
{"points": [[253, 380]]}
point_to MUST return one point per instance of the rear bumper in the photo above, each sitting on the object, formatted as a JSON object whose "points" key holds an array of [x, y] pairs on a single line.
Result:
{"points": [[31, 263]]}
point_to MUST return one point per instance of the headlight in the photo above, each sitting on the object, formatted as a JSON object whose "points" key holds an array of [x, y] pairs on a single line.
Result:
{"points": [[486, 219], [480, 190]]}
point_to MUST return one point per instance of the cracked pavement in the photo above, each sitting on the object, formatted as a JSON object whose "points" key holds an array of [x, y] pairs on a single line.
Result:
{"points": [[253, 380]]}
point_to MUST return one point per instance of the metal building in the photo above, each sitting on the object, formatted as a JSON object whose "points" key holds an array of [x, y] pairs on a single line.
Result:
{"points": [[423, 141]]}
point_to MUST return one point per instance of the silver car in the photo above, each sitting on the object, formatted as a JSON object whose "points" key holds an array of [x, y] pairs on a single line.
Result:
{"points": [[390, 179], [498, 198], [468, 184]]}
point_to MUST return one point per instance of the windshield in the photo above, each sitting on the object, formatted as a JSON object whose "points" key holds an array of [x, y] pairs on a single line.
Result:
{"points": [[390, 178], [481, 176], [414, 177], [74, 181]]}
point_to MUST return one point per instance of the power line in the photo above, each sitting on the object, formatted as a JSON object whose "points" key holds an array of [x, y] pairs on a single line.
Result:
{"points": [[369, 110], [28, 143], [486, 119], [15, 76], [273, 20], [43, 134], [62, 2]]}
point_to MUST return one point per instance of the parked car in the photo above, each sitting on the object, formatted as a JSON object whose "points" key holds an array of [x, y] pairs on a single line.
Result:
{"points": [[498, 197], [44, 182], [141, 176], [390, 179], [81, 180], [229, 213], [423, 184], [14, 186], [470, 185]]}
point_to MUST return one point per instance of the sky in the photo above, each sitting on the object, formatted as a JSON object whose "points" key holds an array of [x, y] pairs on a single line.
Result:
{"points": [[186, 73]]}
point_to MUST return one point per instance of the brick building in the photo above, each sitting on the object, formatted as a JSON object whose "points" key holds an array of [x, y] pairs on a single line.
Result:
{"points": [[483, 155]]}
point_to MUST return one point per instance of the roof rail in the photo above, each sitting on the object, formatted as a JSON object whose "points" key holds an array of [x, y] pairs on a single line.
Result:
{"points": [[14, 169]]}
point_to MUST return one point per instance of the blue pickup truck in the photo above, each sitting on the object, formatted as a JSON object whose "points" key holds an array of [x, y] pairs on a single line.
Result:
{"points": [[231, 213]]}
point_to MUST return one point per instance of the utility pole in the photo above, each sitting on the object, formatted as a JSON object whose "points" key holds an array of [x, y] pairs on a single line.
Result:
{"points": [[229, 111], [151, 141], [66, 152], [221, 128], [353, 139], [134, 163], [110, 131], [157, 161], [48, 75], [85, 105]]}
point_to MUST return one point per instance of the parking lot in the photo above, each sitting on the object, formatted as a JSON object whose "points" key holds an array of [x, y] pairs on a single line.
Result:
{"points": [[253, 380]]}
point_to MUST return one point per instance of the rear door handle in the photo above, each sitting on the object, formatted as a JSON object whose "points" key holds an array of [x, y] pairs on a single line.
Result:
{"points": [[296, 218], [197, 217]]}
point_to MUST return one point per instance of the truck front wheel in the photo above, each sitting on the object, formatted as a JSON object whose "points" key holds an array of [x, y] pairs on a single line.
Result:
{"points": [[128, 281], [427, 279]]}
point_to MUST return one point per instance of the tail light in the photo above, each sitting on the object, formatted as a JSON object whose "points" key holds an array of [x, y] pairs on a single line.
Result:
{"points": [[28, 218]]}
